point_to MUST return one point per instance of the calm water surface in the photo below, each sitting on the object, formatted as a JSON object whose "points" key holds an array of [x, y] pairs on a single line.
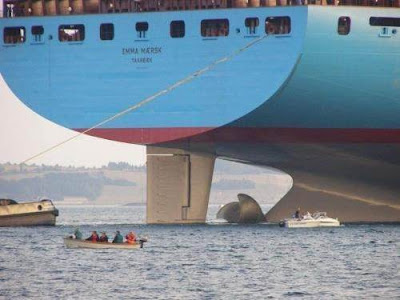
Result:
{"points": [[213, 261]]}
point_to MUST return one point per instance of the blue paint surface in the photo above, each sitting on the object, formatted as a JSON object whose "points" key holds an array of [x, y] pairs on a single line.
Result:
{"points": [[312, 77]]}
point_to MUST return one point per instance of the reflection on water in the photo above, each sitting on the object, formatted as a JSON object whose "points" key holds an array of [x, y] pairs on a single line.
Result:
{"points": [[108, 214], [214, 261]]}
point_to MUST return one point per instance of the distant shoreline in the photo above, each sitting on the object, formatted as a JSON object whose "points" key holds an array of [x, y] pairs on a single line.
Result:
{"points": [[134, 204]]}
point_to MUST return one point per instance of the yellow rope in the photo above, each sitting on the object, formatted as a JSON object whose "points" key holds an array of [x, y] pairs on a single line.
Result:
{"points": [[151, 98]]}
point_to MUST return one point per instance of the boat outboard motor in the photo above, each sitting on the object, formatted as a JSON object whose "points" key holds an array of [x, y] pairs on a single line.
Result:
{"points": [[142, 241]]}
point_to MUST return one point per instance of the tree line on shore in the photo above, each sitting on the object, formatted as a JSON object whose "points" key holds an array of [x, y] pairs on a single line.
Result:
{"points": [[56, 186]]}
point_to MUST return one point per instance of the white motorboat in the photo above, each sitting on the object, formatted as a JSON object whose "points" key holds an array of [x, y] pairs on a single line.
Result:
{"points": [[75, 243], [38, 213], [317, 219]]}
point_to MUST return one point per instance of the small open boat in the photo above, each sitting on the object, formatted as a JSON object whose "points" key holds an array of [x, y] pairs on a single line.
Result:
{"points": [[318, 219], [74, 243]]}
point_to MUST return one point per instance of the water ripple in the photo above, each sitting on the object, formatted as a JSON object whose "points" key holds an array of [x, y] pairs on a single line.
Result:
{"points": [[200, 262]]}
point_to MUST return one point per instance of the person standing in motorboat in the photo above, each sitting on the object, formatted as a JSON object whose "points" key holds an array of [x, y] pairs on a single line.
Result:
{"points": [[118, 239], [297, 213]]}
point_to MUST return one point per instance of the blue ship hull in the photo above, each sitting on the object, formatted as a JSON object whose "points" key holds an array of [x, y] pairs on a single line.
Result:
{"points": [[320, 106]]}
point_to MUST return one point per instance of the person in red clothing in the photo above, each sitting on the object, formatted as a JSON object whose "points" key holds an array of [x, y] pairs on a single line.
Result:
{"points": [[103, 238], [131, 238], [94, 237]]}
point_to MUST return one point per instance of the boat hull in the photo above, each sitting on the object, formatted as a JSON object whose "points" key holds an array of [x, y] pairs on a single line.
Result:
{"points": [[319, 105], [30, 219], [311, 223], [41, 213], [73, 243]]}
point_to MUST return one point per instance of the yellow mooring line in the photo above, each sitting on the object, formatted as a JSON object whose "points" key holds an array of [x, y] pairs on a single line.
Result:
{"points": [[151, 98]]}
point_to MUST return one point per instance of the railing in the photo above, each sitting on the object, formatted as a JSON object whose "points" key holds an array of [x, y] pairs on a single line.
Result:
{"points": [[18, 8]]}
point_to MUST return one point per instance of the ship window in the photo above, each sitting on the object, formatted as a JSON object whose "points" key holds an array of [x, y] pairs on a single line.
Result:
{"points": [[9, 11], [14, 35], [251, 25], [177, 29], [344, 25], [71, 33], [277, 25], [106, 31], [37, 32], [215, 27], [141, 29], [379, 21]]}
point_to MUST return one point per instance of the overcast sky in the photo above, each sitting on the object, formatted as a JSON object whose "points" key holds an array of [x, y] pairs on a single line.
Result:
{"points": [[23, 134]]}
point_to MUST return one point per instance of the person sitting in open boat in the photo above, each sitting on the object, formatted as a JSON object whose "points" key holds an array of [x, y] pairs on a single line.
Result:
{"points": [[131, 238], [118, 238], [103, 238], [78, 234], [94, 237]]}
